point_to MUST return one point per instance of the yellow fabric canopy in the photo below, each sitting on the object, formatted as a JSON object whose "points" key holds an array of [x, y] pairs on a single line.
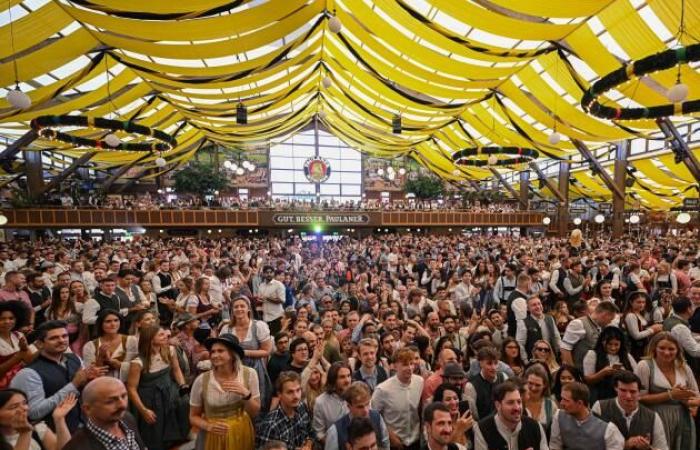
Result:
{"points": [[459, 72]]}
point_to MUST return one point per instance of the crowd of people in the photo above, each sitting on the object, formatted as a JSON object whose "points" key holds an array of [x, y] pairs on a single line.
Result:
{"points": [[147, 201], [391, 341]]}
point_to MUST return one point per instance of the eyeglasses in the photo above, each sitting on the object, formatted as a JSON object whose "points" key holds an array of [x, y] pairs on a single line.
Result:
{"points": [[543, 349]]}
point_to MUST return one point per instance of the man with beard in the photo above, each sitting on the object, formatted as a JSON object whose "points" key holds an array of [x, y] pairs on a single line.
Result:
{"points": [[108, 425], [39, 295], [290, 422], [451, 331], [509, 429], [272, 294], [434, 329], [330, 405], [437, 423], [369, 372]]}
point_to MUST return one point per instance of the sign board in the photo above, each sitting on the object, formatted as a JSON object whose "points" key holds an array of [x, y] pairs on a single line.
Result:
{"points": [[320, 218], [578, 210], [317, 170], [605, 206], [691, 202]]}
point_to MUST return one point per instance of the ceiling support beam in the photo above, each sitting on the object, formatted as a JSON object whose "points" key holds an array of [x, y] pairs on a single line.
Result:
{"points": [[607, 179], [563, 209], [11, 150], [680, 147], [509, 188], [524, 189], [33, 168], [121, 171], [56, 181], [620, 172], [550, 185]]}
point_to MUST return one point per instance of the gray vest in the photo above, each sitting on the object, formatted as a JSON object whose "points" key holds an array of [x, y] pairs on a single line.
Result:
{"points": [[587, 342], [590, 435], [642, 422]]}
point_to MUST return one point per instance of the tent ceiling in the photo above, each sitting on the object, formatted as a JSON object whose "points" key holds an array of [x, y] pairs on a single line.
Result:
{"points": [[460, 73]]}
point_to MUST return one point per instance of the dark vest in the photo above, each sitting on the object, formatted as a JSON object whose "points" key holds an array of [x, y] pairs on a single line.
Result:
{"points": [[507, 288], [84, 439], [534, 333], [343, 424], [166, 280], [642, 422], [529, 436], [484, 390], [125, 302], [560, 281], [381, 376], [53, 378], [512, 322], [576, 281], [106, 302]]}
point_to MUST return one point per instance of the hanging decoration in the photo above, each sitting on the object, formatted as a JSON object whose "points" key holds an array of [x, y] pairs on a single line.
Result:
{"points": [[645, 66], [472, 156], [45, 125]]}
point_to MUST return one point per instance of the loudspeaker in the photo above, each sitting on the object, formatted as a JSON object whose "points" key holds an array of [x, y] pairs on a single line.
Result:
{"points": [[241, 114]]}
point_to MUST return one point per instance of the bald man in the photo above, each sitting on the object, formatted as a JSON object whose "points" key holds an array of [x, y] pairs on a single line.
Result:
{"points": [[107, 424]]}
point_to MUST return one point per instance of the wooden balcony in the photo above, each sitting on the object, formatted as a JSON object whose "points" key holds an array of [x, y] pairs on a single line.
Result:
{"points": [[110, 218]]}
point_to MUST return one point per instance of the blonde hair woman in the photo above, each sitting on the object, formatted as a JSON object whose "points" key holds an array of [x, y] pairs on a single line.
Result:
{"points": [[669, 388], [225, 399], [254, 338]]}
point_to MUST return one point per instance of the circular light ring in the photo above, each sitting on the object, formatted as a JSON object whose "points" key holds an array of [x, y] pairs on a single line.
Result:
{"points": [[44, 124], [469, 156], [653, 63]]}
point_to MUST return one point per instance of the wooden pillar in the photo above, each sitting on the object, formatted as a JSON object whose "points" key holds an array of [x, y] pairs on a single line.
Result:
{"points": [[563, 210], [34, 171], [620, 176], [524, 189]]}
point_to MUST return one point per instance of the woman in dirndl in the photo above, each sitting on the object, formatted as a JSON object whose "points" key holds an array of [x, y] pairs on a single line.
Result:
{"points": [[224, 401]]}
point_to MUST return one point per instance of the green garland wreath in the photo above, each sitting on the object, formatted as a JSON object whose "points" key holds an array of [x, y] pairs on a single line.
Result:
{"points": [[43, 125], [650, 64], [469, 156]]}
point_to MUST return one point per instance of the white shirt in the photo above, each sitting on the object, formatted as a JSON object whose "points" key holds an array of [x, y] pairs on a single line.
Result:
{"points": [[575, 331], [590, 359], [327, 409], [613, 438], [273, 289], [398, 405], [685, 338], [658, 441], [511, 437]]}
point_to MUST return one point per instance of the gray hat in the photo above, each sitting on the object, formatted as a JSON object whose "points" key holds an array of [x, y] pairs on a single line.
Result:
{"points": [[453, 370]]}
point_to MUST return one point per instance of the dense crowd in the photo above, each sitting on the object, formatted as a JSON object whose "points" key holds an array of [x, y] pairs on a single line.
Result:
{"points": [[388, 341], [167, 200]]}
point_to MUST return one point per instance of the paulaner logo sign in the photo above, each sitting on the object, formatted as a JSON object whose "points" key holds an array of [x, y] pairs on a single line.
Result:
{"points": [[330, 219]]}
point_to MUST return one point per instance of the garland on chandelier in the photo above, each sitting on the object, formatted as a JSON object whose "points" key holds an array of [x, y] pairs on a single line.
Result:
{"points": [[471, 156], [44, 126], [645, 66]]}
